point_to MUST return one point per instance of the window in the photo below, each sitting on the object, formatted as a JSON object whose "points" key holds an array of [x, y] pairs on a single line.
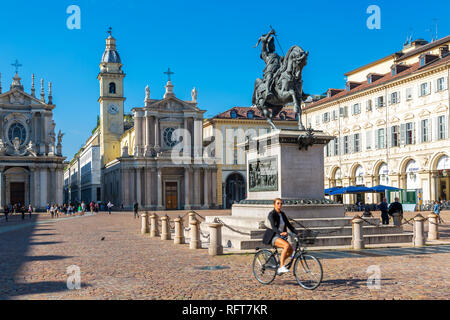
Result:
{"points": [[343, 111], [408, 93], [395, 97], [17, 130], [395, 139], [336, 146], [112, 87], [233, 114], [356, 142], [250, 115], [441, 127], [369, 105], [326, 117], [424, 89], [440, 84], [317, 119], [356, 109], [368, 140], [334, 115], [345, 144], [409, 133], [422, 61], [424, 130], [380, 139], [380, 102]]}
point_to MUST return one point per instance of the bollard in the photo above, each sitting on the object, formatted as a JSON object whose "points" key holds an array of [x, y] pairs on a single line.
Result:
{"points": [[418, 239], [154, 225], [397, 218], [179, 228], [144, 226], [191, 217], [215, 239], [194, 235], [357, 233], [165, 231], [433, 231]]}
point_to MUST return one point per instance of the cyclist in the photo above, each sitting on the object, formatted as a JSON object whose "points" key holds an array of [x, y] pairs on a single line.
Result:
{"points": [[277, 235]]}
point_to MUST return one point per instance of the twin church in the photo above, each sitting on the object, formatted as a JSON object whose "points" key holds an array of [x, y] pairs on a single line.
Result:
{"points": [[131, 158]]}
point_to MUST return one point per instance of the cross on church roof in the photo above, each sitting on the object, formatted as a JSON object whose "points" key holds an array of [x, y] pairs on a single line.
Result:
{"points": [[17, 65], [168, 72], [109, 30]]}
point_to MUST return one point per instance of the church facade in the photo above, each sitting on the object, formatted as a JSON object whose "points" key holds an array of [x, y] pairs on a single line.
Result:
{"points": [[155, 157], [31, 168]]}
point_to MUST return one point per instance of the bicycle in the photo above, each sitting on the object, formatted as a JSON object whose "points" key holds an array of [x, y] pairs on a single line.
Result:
{"points": [[307, 268]]}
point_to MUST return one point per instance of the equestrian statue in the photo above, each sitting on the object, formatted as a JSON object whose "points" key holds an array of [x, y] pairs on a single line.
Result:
{"points": [[282, 80]]}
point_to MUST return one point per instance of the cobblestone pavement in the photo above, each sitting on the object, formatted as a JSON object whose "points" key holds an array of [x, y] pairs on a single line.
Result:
{"points": [[127, 265]]}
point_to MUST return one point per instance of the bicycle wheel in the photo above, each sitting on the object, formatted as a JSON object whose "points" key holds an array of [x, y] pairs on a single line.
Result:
{"points": [[264, 266], [308, 271]]}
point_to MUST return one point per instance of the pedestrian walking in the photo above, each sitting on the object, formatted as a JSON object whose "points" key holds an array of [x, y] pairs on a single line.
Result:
{"points": [[136, 207], [6, 211], [22, 211], [109, 205], [437, 209], [383, 207], [30, 210], [96, 207], [83, 207], [48, 208], [52, 210], [91, 206]]}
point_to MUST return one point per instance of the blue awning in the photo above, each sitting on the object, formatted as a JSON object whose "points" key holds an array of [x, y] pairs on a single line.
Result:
{"points": [[382, 188], [351, 189], [328, 190]]}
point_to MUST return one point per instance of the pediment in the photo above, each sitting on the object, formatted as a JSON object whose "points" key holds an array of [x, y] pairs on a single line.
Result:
{"points": [[394, 119], [18, 97], [356, 127], [346, 130], [408, 116], [381, 122], [174, 104], [367, 125], [440, 108], [424, 113]]}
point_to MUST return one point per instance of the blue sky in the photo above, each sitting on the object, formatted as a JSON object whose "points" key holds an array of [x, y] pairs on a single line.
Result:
{"points": [[208, 44]]}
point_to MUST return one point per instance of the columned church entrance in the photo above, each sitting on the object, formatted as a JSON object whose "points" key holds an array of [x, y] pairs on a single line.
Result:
{"points": [[171, 195], [17, 182]]}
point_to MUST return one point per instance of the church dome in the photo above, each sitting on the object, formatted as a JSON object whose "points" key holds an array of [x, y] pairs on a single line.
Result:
{"points": [[111, 55]]}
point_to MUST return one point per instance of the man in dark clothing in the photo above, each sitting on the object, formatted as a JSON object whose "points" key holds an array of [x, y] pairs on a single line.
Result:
{"points": [[136, 206], [396, 207], [22, 210], [6, 213], [383, 206]]}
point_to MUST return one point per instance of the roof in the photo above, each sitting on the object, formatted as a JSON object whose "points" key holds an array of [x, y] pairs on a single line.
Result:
{"points": [[387, 77], [424, 48], [241, 113], [111, 56]]}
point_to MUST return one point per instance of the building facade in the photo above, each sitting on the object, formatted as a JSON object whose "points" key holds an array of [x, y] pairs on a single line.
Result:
{"points": [[391, 124], [31, 163], [222, 135]]}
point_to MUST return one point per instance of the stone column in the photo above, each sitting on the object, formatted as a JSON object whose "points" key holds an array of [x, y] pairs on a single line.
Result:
{"points": [[144, 223], [148, 187], [187, 188], [215, 239], [42, 134], [157, 146], [357, 233], [138, 186], [159, 188], [194, 235], [197, 139], [214, 186], [165, 230], [186, 140], [43, 187], [397, 218], [30, 188], [148, 136], [419, 239], [196, 188], [179, 237], [124, 187], [137, 133], [154, 226], [37, 187], [132, 185], [433, 231], [434, 190], [2, 188], [206, 188]]}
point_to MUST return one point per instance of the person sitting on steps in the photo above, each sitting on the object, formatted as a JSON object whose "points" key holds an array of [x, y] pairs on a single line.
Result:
{"points": [[277, 236]]}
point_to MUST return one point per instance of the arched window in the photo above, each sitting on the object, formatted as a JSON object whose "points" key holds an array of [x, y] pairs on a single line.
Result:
{"points": [[250, 114], [112, 87]]}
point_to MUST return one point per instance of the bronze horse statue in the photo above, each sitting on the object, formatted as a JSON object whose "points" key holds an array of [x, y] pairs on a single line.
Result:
{"points": [[282, 81]]}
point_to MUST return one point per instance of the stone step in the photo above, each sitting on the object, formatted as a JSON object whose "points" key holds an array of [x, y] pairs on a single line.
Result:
{"points": [[345, 241]]}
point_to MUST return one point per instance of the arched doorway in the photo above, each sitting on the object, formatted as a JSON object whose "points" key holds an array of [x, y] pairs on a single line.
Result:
{"points": [[17, 186], [443, 170], [234, 188], [412, 177]]}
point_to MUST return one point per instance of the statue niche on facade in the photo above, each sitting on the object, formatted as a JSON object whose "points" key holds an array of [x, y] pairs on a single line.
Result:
{"points": [[282, 80]]}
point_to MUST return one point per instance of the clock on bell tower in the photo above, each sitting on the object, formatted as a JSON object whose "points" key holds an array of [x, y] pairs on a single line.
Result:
{"points": [[111, 102]]}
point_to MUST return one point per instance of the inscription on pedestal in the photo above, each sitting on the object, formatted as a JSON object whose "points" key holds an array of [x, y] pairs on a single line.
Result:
{"points": [[263, 174]]}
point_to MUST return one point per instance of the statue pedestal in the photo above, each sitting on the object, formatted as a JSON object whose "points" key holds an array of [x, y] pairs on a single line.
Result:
{"points": [[286, 164]]}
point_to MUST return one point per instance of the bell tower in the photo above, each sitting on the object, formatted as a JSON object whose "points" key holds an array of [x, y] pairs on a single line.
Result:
{"points": [[111, 101]]}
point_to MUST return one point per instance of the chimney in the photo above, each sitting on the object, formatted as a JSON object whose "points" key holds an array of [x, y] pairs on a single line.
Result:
{"points": [[443, 51]]}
